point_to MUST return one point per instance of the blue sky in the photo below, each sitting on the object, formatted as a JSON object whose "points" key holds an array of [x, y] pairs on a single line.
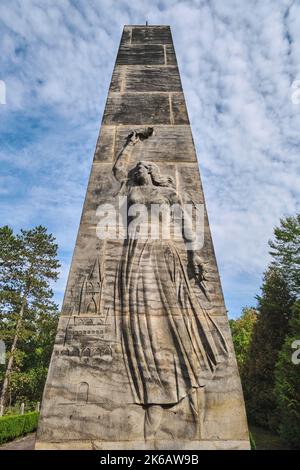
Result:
{"points": [[237, 59]]}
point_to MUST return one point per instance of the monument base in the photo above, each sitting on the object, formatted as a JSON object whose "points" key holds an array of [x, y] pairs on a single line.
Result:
{"points": [[144, 445]]}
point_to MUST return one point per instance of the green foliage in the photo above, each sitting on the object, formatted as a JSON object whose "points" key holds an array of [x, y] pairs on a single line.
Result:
{"points": [[274, 311], [285, 250], [27, 386], [271, 381], [28, 315], [242, 329], [15, 426], [287, 383], [27, 263]]}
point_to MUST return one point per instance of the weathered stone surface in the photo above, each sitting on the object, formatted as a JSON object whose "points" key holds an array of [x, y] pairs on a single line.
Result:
{"points": [[170, 56], [143, 357], [146, 78], [105, 145], [179, 112], [153, 35], [141, 54], [172, 143], [137, 109], [126, 35], [145, 109]]}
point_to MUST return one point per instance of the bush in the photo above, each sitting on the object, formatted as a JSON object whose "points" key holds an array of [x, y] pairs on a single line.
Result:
{"points": [[15, 426]]}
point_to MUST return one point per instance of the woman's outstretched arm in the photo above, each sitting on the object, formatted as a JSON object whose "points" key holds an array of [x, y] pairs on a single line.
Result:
{"points": [[120, 167]]}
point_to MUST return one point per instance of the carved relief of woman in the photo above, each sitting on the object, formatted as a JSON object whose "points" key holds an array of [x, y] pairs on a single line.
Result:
{"points": [[171, 346]]}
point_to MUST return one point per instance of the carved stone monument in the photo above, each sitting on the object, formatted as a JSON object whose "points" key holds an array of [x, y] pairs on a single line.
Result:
{"points": [[143, 357]]}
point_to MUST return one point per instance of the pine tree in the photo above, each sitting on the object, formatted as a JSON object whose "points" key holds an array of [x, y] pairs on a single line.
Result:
{"points": [[274, 311], [28, 263], [285, 250]]}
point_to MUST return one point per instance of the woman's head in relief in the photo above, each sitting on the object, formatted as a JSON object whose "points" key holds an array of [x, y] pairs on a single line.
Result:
{"points": [[149, 173]]}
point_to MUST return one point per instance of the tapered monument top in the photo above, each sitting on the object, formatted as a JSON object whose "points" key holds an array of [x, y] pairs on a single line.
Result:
{"points": [[155, 41], [148, 34], [145, 86]]}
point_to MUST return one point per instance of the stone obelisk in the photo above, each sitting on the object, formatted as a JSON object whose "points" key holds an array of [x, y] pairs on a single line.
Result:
{"points": [[143, 357]]}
